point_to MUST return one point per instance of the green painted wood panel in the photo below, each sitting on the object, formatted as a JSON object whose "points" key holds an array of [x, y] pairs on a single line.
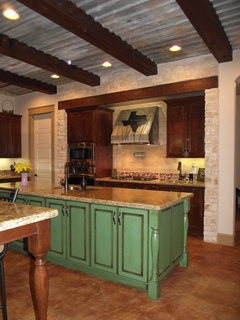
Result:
{"points": [[177, 231], [21, 199], [165, 240], [133, 243], [78, 232], [36, 201], [57, 229], [104, 237]]}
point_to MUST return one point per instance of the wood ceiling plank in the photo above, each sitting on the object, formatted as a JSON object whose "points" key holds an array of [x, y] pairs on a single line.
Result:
{"points": [[204, 19], [67, 15], [142, 93], [24, 82], [20, 51]]}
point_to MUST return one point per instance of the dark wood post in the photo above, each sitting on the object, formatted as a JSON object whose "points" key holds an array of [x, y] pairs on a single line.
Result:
{"points": [[39, 245]]}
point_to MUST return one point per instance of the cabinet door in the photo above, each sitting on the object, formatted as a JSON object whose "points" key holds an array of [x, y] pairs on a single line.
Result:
{"points": [[21, 199], [57, 229], [15, 145], [177, 231], [80, 126], [36, 201], [78, 232], [185, 127], [4, 137], [196, 213], [176, 130], [104, 237], [196, 121], [133, 243]]}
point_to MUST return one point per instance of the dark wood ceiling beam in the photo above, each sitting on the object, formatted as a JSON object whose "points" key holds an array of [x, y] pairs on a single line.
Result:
{"points": [[24, 82], [20, 51], [142, 93], [67, 15], [204, 19]]}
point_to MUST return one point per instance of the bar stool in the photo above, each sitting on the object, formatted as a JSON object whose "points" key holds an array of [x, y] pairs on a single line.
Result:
{"points": [[8, 195]]}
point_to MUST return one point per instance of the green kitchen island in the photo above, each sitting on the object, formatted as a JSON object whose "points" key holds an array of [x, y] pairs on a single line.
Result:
{"points": [[134, 237]]}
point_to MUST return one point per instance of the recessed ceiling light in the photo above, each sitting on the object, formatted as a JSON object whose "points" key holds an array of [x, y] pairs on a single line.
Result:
{"points": [[106, 64], [175, 48], [11, 14], [55, 76]]}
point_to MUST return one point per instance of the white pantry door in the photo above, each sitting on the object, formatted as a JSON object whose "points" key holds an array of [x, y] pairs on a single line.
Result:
{"points": [[42, 148]]}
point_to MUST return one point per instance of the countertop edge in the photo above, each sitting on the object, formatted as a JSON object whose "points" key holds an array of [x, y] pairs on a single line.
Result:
{"points": [[111, 202], [38, 214], [155, 182]]}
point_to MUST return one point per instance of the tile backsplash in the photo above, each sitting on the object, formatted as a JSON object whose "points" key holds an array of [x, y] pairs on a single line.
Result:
{"points": [[154, 161]]}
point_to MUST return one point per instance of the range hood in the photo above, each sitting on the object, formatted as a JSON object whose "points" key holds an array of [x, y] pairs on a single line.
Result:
{"points": [[137, 126]]}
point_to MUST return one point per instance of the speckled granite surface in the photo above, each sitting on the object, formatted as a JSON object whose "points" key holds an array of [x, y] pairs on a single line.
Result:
{"points": [[14, 215], [183, 183], [9, 175], [147, 199]]}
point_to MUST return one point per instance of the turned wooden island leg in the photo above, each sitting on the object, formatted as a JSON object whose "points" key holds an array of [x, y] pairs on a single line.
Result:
{"points": [[38, 246], [154, 283]]}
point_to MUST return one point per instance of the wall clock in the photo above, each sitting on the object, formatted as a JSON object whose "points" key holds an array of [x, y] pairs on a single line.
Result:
{"points": [[7, 106]]}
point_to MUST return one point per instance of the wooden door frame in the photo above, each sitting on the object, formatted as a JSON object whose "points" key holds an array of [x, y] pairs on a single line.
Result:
{"points": [[31, 113]]}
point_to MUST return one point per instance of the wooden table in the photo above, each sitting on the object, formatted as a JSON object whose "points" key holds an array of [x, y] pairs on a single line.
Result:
{"points": [[19, 221]]}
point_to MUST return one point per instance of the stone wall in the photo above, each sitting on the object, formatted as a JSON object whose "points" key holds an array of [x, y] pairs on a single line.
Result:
{"points": [[61, 141], [211, 165]]}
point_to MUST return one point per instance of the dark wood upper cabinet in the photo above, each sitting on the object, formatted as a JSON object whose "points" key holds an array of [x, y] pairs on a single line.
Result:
{"points": [[185, 127], [80, 126], [10, 135], [93, 125]]}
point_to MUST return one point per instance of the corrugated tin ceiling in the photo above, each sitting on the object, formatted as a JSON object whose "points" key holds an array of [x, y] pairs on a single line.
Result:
{"points": [[151, 26]]}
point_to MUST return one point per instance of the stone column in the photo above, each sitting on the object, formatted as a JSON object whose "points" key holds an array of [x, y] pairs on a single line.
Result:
{"points": [[211, 165]]}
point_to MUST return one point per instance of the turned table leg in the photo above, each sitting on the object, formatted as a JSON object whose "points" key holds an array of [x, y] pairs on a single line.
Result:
{"points": [[38, 245]]}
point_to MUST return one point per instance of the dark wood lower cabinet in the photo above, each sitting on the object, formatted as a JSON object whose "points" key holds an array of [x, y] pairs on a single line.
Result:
{"points": [[196, 213]]}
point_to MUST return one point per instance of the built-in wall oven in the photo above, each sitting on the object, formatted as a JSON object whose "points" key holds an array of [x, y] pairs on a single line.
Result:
{"points": [[81, 162]]}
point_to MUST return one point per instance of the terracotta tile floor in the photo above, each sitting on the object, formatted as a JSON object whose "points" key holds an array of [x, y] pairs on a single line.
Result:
{"points": [[208, 289]]}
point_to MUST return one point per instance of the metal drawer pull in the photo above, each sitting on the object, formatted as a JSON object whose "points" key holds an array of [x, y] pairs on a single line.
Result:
{"points": [[119, 220], [114, 220]]}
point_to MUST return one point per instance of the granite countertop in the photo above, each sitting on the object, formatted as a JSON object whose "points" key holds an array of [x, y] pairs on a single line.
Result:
{"points": [[148, 199], [14, 215], [9, 175], [183, 183]]}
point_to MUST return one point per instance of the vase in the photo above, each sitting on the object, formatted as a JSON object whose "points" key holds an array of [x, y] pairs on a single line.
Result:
{"points": [[24, 178]]}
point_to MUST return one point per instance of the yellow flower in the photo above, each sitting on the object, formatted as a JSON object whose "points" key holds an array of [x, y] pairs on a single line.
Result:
{"points": [[22, 167]]}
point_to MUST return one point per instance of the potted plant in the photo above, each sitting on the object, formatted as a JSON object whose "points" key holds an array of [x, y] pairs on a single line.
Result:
{"points": [[24, 168]]}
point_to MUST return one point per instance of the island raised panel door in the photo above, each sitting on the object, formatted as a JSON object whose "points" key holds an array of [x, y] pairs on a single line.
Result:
{"points": [[104, 237], [57, 230], [133, 243], [177, 231], [35, 201], [21, 199], [78, 232]]}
